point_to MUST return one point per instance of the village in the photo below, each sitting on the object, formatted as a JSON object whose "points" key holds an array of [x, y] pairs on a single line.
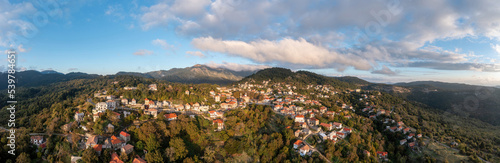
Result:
{"points": [[305, 112]]}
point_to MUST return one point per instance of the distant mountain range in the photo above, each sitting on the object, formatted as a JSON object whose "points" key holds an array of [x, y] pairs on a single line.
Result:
{"points": [[195, 75]]}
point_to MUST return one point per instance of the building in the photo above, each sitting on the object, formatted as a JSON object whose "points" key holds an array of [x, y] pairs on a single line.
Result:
{"points": [[115, 158], [127, 149], [116, 143], [110, 128], [125, 136], [171, 116], [79, 116], [305, 150], [97, 148], [314, 121], [91, 141], [220, 124], [37, 140], [100, 107], [297, 144], [137, 159], [299, 118]]}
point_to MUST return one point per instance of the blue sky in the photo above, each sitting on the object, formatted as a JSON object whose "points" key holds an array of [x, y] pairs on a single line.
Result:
{"points": [[380, 41]]}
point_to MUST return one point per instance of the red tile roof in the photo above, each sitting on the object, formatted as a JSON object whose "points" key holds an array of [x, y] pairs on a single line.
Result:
{"points": [[298, 142], [171, 115], [124, 134], [97, 147]]}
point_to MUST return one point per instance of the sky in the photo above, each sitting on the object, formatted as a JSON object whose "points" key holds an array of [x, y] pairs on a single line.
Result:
{"points": [[385, 41]]}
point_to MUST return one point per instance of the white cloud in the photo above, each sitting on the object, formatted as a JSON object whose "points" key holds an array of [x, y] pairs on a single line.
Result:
{"points": [[163, 44], [143, 52], [195, 53], [20, 48], [236, 66], [116, 11], [298, 52], [385, 71], [496, 47], [190, 7], [11, 18]]}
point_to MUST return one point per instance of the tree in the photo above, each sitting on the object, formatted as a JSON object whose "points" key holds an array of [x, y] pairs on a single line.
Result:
{"points": [[124, 157], [23, 158], [154, 157], [89, 156], [209, 155], [178, 147]]}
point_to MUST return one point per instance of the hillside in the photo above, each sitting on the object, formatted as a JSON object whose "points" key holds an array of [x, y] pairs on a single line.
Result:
{"points": [[33, 78], [479, 102], [300, 77]]}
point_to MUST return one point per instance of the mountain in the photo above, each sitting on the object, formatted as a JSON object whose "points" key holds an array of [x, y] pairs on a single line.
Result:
{"points": [[473, 101], [300, 77], [195, 75], [32, 78]]}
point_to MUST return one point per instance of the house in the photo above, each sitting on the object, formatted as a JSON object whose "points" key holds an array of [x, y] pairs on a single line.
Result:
{"points": [[97, 148], [347, 130], [125, 136], [111, 104], [133, 102], [124, 101], [366, 153], [299, 118], [217, 98], [37, 140], [152, 112], [419, 135], [153, 87], [302, 124], [406, 130], [67, 127], [100, 107], [79, 116], [401, 142], [348, 116], [400, 123], [91, 141], [297, 133], [382, 154], [107, 144], [127, 148], [110, 128], [341, 135], [337, 125], [380, 112], [146, 101], [115, 158], [297, 144], [305, 150], [213, 114], [330, 113], [322, 109], [332, 136], [220, 124], [314, 121], [323, 136], [411, 135], [137, 159], [116, 143], [327, 126], [411, 145], [171, 116]]}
